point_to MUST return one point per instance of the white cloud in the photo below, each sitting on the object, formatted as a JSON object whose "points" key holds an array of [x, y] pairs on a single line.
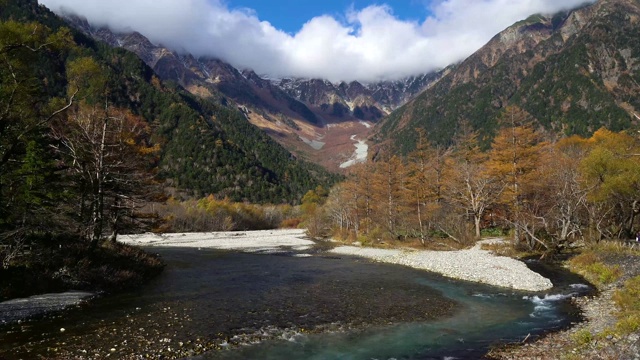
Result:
{"points": [[368, 44]]}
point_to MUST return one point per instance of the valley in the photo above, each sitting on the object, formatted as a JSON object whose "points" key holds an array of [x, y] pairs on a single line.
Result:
{"points": [[312, 118], [356, 156]]}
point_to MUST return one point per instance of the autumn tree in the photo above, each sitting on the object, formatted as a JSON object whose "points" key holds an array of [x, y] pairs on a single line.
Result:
{"points": [[611, 171], [471, 188], [427, 182], [566, 190], [513, 161], [340, 206], [389, 189], [360, 188], [314, 216], [105, 153]]}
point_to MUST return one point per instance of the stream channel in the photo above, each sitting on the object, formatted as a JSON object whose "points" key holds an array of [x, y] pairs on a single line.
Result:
{"points": [[212, 304]]}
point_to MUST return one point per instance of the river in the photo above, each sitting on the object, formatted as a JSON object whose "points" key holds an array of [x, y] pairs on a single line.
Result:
{"points": [[213, 304]]}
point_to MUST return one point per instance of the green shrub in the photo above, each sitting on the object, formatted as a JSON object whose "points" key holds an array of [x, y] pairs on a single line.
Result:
{"points": [[628, 324], [492, 232], [628, 298], [582, 337], [583, 260], [602, 274]]}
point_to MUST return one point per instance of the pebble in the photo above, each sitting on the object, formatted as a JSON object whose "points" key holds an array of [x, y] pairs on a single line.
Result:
{"points": [[472, 264]]}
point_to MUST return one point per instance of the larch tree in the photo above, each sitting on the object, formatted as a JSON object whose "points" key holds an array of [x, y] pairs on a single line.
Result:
{"points": [[514, 159], [390, 185], [428, 171], [470, 187]]}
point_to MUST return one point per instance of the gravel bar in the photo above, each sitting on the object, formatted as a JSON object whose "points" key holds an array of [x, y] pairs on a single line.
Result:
{"points": [[260, 241], [472, 264]]}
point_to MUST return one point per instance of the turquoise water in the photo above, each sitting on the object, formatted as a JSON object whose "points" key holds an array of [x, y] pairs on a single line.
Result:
{"points": [[489, 316], [286, 307]]}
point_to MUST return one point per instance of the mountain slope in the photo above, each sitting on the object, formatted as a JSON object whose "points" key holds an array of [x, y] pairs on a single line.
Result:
{"points": [[317, 120], [206, 148], [574, 72]]}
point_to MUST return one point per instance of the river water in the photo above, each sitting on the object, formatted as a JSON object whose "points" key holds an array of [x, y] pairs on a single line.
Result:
{"points": [[211, 304]]}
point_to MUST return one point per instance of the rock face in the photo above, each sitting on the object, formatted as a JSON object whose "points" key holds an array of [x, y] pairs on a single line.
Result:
{"points": [[574, 72], [295, 112], [346, 101]]}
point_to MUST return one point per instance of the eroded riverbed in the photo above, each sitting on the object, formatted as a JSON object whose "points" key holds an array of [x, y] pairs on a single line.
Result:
{"points": [[233, 305]]}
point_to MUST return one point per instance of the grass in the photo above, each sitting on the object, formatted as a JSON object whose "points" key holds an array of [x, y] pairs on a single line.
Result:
{"points": [[582, 337], [627, 300], [591, 264], [598, 264]]}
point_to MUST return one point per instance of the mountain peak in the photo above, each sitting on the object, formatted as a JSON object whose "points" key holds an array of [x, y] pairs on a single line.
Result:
{"points": [[574, 72]]}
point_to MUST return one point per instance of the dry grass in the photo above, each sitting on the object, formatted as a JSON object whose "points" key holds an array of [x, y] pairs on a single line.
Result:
{"points": [[501, 248]]}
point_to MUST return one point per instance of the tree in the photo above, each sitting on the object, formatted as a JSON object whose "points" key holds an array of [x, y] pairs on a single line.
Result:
{"points": [[313, 212], [471, 188], [27, 106], [104, 152], [567, 192], [389, 184], [513, 161], [611, 171], [427, 181]]}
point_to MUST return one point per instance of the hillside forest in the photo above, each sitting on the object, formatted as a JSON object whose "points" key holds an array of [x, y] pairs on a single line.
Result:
{"points": [[88, 134], [543, 190], [93, 144]]}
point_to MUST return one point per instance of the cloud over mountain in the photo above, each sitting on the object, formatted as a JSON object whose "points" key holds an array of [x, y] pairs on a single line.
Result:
{"points": [[368, 44]]}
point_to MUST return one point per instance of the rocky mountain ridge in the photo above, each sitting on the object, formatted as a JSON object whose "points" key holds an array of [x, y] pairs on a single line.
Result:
{"points": [[316, 119], [573, 72]]}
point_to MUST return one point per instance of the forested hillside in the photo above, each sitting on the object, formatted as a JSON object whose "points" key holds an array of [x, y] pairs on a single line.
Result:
{"points": [[89, 136], [574, 72], [204, 148]]}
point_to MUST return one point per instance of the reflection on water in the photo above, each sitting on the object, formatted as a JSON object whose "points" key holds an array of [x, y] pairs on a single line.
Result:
{"points": [[275, 307]]}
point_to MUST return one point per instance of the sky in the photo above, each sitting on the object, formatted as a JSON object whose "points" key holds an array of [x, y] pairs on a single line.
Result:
{"points": [[362, 40]]}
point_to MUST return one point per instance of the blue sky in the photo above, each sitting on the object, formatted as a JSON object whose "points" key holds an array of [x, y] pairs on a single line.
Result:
{"points": [[336, 40], [290, 15]]}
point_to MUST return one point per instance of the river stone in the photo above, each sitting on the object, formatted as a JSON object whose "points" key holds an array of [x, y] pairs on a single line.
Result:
{"points": [[21, 309]]}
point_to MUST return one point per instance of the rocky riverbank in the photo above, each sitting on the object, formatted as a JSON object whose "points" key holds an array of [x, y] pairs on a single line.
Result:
{"points": [[596, 337], [599, 315], [472, 264]]}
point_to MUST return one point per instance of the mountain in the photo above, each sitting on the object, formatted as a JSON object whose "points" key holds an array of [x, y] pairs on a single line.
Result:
{"points": [[206, 147], [574, 72], [317, 120], [369, 102]]}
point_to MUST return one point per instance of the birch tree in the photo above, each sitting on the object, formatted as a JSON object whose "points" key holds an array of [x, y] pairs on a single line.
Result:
{"points": [[104, 152]]}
